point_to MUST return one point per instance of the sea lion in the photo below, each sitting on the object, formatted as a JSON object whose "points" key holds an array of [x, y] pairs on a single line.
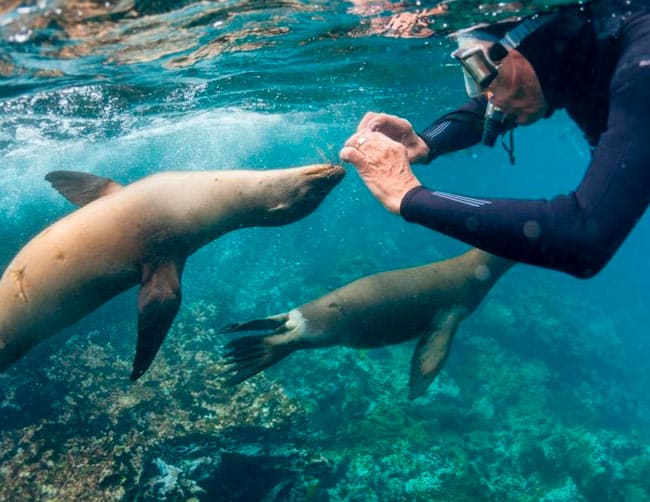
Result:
{"points": [[139, 233], [426, 302]]}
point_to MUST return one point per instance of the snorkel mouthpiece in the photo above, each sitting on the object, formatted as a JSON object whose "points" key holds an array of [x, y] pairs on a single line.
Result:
{"points": [[493, 124]]}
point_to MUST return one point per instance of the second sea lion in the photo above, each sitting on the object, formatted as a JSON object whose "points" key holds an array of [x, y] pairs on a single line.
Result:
{"points": [[426, 302]]}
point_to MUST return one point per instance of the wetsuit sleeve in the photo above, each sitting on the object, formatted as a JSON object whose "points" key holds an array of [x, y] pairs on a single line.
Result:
{"points": [[575, 233], [456, 130]]}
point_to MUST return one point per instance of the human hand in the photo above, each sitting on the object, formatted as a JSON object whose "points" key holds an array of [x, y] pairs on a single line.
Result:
{"points": [[383, 165], [398, 129]]}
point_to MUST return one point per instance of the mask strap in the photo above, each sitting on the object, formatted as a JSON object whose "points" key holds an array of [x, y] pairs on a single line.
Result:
{"points": [[510, 147], [514, 37], [512, 40]]}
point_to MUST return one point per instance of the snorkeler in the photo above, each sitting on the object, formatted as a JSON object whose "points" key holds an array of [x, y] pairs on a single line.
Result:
{"points": [[592, 60]]}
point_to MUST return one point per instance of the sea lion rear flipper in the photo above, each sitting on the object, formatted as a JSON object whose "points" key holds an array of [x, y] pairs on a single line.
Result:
{"points": [[430, 354], [158, 302], [272, 322], [81, 188], [249, 355]]}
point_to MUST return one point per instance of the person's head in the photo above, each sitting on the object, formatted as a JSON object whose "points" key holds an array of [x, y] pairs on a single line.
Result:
{"points": [[501, 72]]}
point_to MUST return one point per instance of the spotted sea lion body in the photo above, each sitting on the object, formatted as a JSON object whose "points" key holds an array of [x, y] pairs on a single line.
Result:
{"points": [[140, 233]]}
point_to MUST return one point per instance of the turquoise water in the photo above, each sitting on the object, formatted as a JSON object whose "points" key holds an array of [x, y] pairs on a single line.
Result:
{"points": [[544, 396]]}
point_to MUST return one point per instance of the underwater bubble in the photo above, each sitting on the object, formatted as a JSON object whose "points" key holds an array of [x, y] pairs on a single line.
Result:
{"points": [[532, 229], [471, 223], [482, 273]]}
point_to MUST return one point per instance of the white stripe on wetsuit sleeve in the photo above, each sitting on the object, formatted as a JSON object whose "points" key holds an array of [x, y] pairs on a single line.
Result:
{"points": [[439, 128], [461, 199]]}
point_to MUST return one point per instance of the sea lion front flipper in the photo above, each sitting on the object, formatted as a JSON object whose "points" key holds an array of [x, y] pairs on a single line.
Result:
{"points": [[430, 354], [158, 302], [81, 188]]}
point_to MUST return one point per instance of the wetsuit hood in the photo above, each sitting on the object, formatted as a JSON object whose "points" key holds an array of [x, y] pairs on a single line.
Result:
{"points": [[557, 49], [547, 49]]}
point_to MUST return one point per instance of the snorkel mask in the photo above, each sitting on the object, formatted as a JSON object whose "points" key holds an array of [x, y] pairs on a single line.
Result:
{"points": [[481, 65]]}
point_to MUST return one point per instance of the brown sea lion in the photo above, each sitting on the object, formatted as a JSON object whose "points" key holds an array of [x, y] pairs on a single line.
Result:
{"points": [[426, 302], [139, 233]]}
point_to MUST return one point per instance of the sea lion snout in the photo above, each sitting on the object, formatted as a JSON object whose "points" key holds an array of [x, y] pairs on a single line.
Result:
{"points": [[322, 178], [329, 172], [294, 197]]}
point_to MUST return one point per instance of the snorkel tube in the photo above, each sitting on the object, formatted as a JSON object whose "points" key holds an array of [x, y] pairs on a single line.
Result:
{"points": [[493, 124]]}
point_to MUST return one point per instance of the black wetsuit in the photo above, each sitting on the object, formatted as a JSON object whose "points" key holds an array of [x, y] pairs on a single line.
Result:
{"points": [[603, 81]]}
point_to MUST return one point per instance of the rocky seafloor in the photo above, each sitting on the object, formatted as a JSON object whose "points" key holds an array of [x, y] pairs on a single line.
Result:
{"points": [[527, 409]]}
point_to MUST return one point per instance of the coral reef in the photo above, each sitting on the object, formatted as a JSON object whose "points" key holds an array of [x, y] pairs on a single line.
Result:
{"points": [[75, 428], [499, 423]]}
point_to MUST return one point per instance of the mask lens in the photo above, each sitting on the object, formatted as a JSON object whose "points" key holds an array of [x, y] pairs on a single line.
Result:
{"points": [[471, 87], [479, 71]]}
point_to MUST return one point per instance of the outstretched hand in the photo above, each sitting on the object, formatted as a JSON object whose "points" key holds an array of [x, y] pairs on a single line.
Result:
{"points": [[398, 129], [383, 165]]}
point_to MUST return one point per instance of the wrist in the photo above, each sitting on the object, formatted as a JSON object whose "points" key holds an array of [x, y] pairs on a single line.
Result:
{"points": [[406, 199], [407, 188], [422, 152]]}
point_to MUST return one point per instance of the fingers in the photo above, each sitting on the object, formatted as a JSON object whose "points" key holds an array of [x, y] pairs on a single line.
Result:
{"points": [[364, 136], [351, 155], [358, 138], [351, 151], [367, 146], [392, 126], [378, 122], [367, 118], [382, 164]]}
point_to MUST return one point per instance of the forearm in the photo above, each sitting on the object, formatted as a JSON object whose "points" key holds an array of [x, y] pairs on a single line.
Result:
{"points": [[576, 233], [550, 234]]}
